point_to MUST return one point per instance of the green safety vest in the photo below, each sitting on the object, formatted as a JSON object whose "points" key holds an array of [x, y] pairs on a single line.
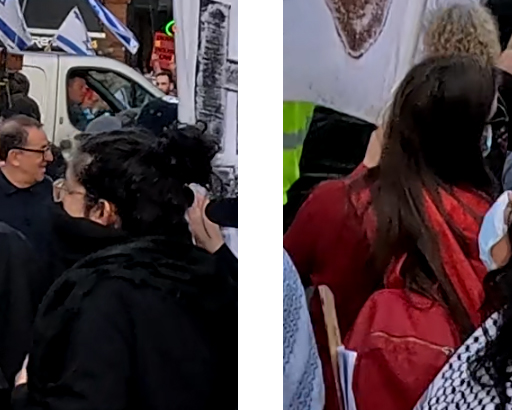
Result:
{"points": [[296, 119]]}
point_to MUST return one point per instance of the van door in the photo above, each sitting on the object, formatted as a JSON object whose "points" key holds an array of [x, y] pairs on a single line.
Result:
{"points": [[118, 87], [43, 89]]}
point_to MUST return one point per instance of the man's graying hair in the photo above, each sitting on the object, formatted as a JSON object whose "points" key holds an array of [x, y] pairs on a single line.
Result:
{"points": [[14, 133]]}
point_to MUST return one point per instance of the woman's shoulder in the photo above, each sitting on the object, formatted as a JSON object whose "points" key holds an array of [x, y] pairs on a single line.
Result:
{"points": [[332, 191]]}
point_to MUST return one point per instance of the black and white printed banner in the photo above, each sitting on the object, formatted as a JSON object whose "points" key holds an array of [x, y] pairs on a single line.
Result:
{"points": [[207, 63]]}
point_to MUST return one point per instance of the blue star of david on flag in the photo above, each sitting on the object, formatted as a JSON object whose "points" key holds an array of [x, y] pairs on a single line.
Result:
{"points": [[72, 36]]}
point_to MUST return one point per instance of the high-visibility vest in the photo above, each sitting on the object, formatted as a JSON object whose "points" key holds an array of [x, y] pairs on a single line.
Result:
{"points": [[296, 119]]}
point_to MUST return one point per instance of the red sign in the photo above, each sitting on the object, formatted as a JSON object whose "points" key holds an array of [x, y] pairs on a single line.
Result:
{"points": [[163, 51]]}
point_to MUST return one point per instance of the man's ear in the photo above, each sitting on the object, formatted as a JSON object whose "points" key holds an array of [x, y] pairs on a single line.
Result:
{"points": [[13, 158]]}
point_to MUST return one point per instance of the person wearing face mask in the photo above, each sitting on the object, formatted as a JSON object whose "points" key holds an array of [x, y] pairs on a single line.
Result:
{"points": [[147, 322], [479, 374], [394, 241]]}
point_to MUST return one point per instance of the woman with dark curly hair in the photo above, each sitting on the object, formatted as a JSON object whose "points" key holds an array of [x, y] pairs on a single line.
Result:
{"points": [[147, 320], [75, 238]]}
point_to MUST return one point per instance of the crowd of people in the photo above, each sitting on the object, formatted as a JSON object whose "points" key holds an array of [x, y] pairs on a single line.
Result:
{"points": [[118, 283], [414, 244]]}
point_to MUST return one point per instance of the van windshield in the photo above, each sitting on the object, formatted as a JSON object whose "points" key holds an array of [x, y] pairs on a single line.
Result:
{"points": [[128, 93]]}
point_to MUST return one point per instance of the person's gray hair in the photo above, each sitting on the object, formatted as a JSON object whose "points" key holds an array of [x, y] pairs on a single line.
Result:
{"points": [[14, 133], [104, 124]]}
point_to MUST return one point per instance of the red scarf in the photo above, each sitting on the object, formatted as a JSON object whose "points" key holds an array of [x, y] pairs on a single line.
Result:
{"points": [[404, 339]]}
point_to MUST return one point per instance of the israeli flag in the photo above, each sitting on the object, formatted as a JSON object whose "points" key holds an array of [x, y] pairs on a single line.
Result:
{"points": [[118, 29], [13, 28], [72, 36]]}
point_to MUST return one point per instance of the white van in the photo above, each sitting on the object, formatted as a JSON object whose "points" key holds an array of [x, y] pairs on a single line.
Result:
{"points": [[120, 86]]}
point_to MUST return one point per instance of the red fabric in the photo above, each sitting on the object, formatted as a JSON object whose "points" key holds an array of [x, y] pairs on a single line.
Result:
{"points": [[330, 243], [402, 341]]}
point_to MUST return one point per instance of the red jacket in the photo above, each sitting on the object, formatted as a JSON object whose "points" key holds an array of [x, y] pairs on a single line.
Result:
{"points": [[330, 243]]}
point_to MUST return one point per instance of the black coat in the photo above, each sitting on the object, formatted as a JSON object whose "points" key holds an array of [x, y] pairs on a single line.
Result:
{"points": [[150, 324], [21, 291]]}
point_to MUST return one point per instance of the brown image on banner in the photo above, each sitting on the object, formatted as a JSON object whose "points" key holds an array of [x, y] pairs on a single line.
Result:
{"points": [[359, 23]]}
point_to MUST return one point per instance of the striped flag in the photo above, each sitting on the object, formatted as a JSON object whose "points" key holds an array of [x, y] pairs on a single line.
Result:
{"points": [[13, 28], [118, 29], [72, 36]]}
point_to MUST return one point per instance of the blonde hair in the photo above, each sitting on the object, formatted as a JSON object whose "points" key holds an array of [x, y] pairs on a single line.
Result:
{"points": [[463, 29]]}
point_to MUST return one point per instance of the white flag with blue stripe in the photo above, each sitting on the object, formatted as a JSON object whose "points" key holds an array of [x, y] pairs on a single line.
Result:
{"points": [[72, 36], [13, 28], [118, 29]]}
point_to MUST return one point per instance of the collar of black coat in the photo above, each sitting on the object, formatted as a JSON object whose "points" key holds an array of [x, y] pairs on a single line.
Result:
{"points": [[7, 187], [81, 235], [173, 259], [170, 264], [76, 238]]}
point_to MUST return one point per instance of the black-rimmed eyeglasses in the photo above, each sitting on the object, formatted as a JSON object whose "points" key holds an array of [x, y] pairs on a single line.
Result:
{"points": [[43, 151]]}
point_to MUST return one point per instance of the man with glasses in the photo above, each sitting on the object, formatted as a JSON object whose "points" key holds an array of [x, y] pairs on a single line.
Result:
{"points": [[25, 192], [25, 205]]}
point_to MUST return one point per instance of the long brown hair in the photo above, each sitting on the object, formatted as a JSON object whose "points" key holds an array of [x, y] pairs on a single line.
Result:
{"points": [[432, 142]]}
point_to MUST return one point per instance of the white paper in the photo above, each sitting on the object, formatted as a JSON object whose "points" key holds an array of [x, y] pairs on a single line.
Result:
{"points": [[346, 364]]}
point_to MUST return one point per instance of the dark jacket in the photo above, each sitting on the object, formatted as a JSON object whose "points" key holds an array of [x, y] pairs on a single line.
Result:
{"points": [[20, 294], [28, 211], [334, 146], [502, 10], [501, 129], [150, 324], [77, 116]]}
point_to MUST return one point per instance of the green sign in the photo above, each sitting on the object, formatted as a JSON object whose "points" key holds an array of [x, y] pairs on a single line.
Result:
{"points": [[170, 28]]}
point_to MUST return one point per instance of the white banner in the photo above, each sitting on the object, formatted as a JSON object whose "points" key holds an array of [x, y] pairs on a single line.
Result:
{"points": [[207, 69], [348, 55], [13, 28], [72, 36]]}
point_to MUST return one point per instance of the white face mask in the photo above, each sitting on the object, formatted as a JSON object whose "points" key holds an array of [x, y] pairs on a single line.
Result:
{"points": [[487, 140], [494, 228]]}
